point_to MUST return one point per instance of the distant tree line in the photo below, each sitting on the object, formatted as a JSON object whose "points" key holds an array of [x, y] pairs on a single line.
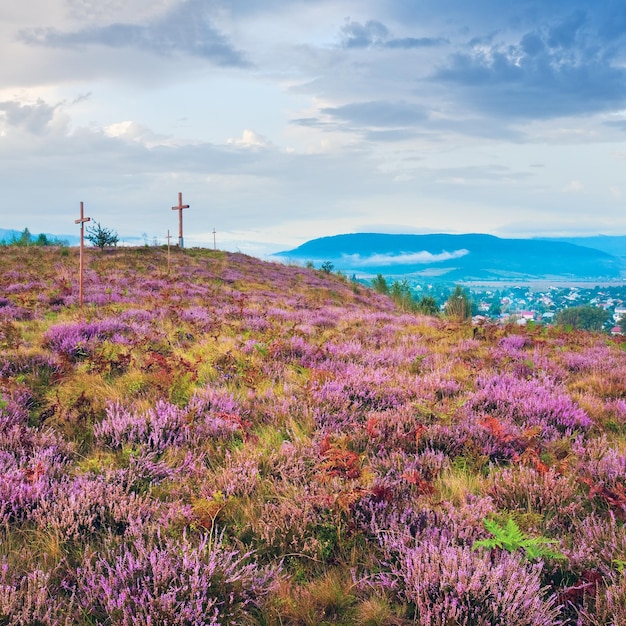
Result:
{"points": [[458, 305], [25, 238], [97, 235]]}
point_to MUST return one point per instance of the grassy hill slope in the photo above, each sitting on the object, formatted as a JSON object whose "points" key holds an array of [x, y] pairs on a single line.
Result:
{"points": [[239, 442]]}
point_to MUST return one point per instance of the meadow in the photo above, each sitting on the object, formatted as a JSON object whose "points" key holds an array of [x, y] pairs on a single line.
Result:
{"points": [[246, 443]]}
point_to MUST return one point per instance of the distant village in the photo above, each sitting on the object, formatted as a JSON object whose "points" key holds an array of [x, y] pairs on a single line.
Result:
{"points": [[523, 304]]}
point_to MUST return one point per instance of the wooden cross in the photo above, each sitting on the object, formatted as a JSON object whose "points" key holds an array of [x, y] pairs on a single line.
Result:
{"points": [[81, 221], [180, 208], [168, 250], [214, 246]]}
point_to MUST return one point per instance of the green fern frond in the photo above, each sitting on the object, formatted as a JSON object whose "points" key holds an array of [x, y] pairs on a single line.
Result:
{"points": [[511, 538]]}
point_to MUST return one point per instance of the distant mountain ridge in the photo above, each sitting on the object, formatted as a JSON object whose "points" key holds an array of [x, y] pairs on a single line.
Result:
{"points": [[459, 257], [612, 244]]}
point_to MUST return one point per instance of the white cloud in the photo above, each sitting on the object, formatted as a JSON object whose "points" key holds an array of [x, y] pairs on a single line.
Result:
{"points": [[250, 139], [575, 186], [138, 133], [404, 258]]}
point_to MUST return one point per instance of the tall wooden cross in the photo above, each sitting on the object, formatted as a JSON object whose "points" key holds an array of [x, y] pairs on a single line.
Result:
{"points": [[179, 208], [168, 250], [214, 246], [81, 221]]}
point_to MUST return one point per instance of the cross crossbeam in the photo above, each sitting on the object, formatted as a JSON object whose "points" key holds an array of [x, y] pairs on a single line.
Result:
{"points": [[82, 219]]}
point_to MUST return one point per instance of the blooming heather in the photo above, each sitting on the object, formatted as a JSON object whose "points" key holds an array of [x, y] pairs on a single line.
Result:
{"points": [[241, 442], [163, 581], [451, 584]]}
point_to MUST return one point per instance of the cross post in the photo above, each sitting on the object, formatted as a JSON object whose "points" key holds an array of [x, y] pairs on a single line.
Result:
{"points": [[179, 208], [214, 246], [81, 221], [168, 250]]}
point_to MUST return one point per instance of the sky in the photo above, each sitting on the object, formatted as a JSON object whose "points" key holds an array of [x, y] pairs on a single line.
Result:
{"points": [[284, 120]]}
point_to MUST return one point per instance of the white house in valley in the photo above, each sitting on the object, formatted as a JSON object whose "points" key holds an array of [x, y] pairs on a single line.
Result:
{"points": [[620, 313]]}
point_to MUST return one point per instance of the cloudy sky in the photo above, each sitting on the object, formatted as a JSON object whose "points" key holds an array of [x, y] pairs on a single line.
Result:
{"points": [[285, 120]]}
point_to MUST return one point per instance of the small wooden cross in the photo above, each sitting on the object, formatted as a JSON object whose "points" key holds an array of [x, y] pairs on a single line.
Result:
{"points": [[168, 250], [179, 208], [81, 221]]}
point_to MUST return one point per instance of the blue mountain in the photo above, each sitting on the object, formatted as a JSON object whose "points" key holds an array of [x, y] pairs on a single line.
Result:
{"points": [[458, 257], [613, 244]]}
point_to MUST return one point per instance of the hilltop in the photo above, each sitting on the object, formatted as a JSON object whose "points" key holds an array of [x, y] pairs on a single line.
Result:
{"points": [[246, 443], [470, 257]]}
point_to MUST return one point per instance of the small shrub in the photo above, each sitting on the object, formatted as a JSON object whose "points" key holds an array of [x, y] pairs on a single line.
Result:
{"points": [[101, 237], [31, 599], [451, 584], [166, 581], [607, 605]]}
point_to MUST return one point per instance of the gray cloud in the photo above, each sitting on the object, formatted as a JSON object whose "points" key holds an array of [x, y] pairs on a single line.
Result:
{"points": [[375, 121], [415, 42], [390, 135], [554, 70], [617, 124], [187, 29], [311, 122], [378, 114], [374, 34], [565, 34], [34, 118], [356, 35], [379, 121]]}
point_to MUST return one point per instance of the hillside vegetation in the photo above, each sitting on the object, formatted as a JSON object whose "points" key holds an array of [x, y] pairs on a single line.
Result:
{"points": [[247, 443]]}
